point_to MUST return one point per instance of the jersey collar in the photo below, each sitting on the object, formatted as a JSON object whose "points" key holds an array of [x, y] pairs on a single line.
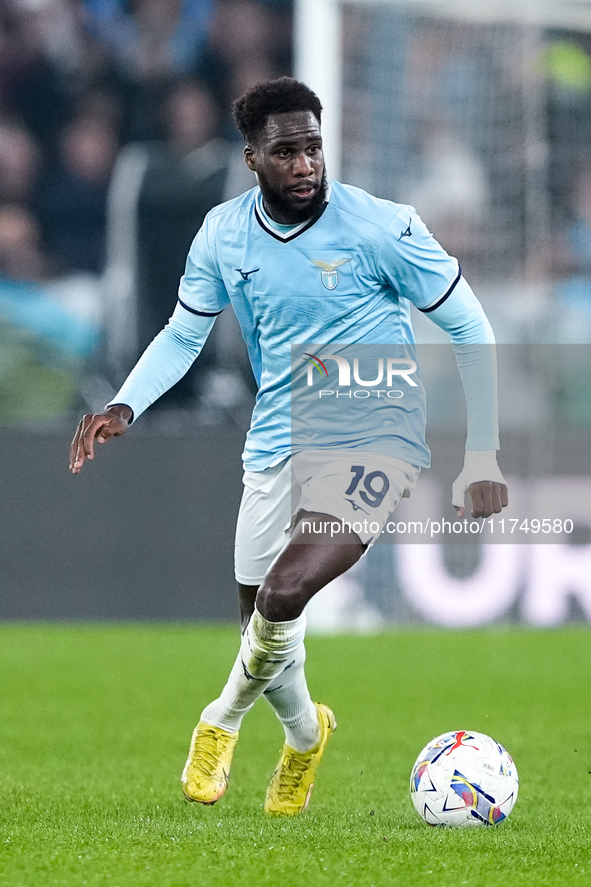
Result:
{"points": [[285, 233]]}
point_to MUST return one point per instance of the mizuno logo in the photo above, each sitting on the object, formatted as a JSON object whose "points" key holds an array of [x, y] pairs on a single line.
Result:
{"points": [[406, 233], [246, 274], [355, 506]]}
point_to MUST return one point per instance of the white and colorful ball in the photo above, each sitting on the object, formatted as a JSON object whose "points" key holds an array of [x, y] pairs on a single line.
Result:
{"points": [[464, 779]]}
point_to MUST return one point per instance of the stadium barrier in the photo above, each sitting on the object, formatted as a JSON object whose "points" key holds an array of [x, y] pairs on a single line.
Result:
{"points": [[146, 532]]}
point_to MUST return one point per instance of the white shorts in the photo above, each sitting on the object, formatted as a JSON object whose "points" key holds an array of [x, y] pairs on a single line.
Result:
{"points": [[358, 489]]}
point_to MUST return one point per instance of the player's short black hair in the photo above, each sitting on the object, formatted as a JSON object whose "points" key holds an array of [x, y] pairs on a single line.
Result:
{"points": [[282, 96]]}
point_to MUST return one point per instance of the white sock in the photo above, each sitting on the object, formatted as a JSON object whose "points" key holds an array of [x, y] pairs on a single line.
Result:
{"points": [[265, 650], [289, 695]]}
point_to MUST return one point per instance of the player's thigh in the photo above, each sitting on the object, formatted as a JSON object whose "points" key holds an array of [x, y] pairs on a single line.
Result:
{"points": [[263, 521]]}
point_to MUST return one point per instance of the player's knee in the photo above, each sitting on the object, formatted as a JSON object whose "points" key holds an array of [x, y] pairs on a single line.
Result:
{"points": [[280, 599]]}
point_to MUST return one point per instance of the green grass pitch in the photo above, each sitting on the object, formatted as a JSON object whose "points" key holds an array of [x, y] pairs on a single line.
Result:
{"points": [[95, 722]]}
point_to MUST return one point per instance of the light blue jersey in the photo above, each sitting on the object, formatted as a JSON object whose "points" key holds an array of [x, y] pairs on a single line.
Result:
{"points": [[346, 277]]}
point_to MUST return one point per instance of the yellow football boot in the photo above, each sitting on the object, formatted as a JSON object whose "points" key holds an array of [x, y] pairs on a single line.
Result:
{"points": [[205, 777], [293, 780]]}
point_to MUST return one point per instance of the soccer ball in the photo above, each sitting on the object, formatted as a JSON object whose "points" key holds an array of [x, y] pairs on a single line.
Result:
{"points": [[464, 779]]}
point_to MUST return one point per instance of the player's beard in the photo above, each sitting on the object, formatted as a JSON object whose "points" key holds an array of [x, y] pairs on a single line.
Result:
{"points": [[280, 208]]}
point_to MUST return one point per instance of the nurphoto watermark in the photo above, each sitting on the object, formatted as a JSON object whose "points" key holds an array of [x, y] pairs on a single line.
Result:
{"points": [[383, 407]]}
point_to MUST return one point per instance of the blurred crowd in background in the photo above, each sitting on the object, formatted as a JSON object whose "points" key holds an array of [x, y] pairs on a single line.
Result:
{"points": [[116, 138]]}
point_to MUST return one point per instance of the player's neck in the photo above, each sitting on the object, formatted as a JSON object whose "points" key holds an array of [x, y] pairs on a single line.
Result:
{"points": [[281, 213], [278, 217], [287, 227], [279, 226]]}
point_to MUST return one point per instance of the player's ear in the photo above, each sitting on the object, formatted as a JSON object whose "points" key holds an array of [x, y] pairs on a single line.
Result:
{"points": [[249, 157]]}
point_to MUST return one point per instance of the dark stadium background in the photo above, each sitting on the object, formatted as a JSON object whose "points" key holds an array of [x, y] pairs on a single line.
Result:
{"points": [[115, 139]]}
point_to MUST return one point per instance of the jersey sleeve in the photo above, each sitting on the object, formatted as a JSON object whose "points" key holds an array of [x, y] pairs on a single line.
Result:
{"points": [[462, 316], [202, 289], [166, 360], [414, 263]]}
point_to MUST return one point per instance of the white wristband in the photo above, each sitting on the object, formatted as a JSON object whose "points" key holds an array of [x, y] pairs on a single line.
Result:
{"points": [[478, 465]]}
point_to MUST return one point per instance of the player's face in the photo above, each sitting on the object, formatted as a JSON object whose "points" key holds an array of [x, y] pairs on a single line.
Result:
{"points": [[289, 164]]}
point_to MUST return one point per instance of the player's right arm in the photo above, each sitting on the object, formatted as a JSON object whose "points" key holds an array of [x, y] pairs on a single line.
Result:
{"points": [[100, 427], [163, 363], [202, 296]]}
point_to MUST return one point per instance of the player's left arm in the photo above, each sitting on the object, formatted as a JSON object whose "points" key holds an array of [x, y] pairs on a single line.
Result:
{"points": [[420, 269], [462, 316]]}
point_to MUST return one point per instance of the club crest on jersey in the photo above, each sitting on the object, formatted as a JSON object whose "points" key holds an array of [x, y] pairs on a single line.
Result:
{"points": [[330, 275]]}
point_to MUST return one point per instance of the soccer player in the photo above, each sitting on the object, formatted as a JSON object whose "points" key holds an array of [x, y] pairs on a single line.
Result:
{"points": [[305, 260]]}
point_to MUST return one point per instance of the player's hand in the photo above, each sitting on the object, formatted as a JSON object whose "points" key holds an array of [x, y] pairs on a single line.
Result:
{"points": [[99, 427], [482, 478]]}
